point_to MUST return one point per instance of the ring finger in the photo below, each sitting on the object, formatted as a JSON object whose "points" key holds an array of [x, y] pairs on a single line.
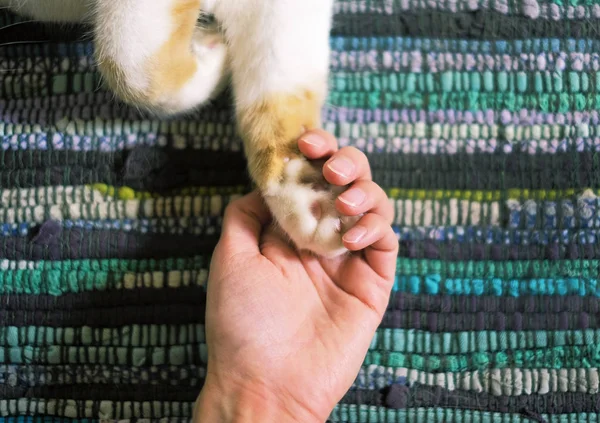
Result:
{"points": [[365, 196]]}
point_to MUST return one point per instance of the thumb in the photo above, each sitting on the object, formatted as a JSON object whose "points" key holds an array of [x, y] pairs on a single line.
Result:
{"points": [[243, 223]]}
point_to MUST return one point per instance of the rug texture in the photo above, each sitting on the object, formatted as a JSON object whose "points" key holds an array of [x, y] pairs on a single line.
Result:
{"points": [[480, 119]]}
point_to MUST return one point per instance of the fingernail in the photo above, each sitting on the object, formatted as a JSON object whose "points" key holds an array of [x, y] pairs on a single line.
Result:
{"points": [[354, 197], [312, 139], [355, 234], [341, 166]]}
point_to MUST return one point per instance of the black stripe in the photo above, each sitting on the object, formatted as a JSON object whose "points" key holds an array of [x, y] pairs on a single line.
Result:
{"points": [[480, 24], [470, 179], [486, 171], [55, 243], [160, 182], [476, 304], [196, 295], [105, 392], [458, 251], [488, 320], [402, 397], [143, 168], [190, 295], [108, 317], [140, 160], [404, 311], [516, 162], [163, 170]]}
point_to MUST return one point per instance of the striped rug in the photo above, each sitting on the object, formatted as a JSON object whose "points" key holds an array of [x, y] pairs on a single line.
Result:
{"points": [[480, 119]]}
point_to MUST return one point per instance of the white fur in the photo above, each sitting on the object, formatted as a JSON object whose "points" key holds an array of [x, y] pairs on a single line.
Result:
{"points": [[288, 48], [270, 47]]}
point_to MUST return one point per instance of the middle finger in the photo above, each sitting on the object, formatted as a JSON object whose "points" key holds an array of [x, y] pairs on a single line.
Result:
{"points": [[347, 165]]}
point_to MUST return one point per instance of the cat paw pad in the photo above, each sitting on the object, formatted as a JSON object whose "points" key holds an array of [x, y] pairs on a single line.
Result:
{"points": [[303, 205]]}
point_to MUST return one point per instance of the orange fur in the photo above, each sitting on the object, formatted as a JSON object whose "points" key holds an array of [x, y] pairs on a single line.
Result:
{"points": [[174, 64], [271, 128], [169, 68]]}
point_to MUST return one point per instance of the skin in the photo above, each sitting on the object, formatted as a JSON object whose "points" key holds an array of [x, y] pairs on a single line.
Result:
{"points": [[287, 332]]}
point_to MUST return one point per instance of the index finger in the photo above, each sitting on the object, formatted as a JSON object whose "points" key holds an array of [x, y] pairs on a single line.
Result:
{"points": [[317, 144]]}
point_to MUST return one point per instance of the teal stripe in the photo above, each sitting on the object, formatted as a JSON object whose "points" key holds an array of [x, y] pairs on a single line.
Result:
{"points": [[454, 81], [157, 410], [584, 356], [518, 269], [421, 342], [405, 266], [462, 101], [436, 284], [59, 282], [353, 413], [443, 91], [397, 340], [130, 335], [174, 355], [587, 356]]}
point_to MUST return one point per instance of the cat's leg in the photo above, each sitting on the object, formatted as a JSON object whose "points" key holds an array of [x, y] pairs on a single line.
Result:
{"points": [[154, 56], [279, 61]]}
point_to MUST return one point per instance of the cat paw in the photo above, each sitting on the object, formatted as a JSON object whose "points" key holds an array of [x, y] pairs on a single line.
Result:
{"points": [[210, 78], [302, 203], [176, 79]]}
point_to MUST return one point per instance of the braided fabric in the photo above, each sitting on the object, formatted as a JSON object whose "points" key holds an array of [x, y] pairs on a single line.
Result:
{"points": [[480, 119]]}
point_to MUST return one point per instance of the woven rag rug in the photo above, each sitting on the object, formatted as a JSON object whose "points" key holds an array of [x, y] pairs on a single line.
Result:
{"points": [[480, 119]]}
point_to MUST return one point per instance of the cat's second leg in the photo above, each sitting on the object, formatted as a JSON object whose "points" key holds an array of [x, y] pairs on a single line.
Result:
{"points": [[280, 61], [153, 54]]}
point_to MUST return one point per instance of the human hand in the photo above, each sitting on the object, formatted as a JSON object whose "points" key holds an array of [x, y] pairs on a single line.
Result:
{"points": [[287, 332]]}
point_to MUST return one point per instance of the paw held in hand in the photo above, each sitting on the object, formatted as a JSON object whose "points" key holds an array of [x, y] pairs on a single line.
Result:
{"points": [[303, 205]]}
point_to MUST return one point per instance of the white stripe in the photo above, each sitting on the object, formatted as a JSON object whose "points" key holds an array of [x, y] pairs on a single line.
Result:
{"points": [[510, 381]]}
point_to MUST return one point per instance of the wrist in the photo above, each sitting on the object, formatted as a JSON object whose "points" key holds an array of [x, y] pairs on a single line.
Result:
{"points": [[247, 403]]}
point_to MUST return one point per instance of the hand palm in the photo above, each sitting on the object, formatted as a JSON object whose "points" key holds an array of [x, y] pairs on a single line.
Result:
{"points": [[308, 311]]}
